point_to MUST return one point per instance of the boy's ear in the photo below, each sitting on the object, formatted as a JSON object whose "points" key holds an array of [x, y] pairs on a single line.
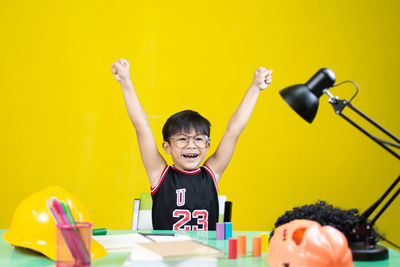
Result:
{"points": [[167, 147]]}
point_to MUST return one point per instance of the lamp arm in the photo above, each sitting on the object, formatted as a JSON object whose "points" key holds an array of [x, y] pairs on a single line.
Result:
{"points": [[371, 209], [385, 207], [347, 103], [364, 227], [339, 104], [388, 143]]}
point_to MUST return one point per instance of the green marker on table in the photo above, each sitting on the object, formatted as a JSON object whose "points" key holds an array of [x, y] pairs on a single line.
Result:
{"points": [[99, 231]]}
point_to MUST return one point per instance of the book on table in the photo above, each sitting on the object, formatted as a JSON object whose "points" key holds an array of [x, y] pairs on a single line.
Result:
{"points": [[177, 250], [125, 242]]}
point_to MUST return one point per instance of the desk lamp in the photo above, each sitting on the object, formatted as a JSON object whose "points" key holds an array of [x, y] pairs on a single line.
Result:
{"points": [[304, 99]]}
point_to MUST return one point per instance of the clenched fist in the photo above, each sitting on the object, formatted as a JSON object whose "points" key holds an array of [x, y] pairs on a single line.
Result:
{"points": [[262, 78], [121, 69]]}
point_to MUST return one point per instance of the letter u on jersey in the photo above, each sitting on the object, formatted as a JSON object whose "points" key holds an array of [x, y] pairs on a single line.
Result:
{"points": [[180, 197]]}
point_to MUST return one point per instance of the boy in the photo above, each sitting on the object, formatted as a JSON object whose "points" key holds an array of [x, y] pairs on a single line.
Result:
{"points": [[184, 195]]}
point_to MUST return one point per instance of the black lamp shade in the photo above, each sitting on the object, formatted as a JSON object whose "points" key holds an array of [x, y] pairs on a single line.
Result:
{"points": [[303, 98], [300, 98]]}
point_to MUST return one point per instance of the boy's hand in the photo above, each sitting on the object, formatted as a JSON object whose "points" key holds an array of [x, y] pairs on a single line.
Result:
{"points": [[262, 78], [120, 69]]}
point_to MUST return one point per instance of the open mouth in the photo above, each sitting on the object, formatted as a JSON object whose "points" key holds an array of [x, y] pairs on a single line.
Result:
{"points": [[190, 156]]}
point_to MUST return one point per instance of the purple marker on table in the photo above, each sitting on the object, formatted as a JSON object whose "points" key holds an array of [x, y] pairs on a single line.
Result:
{"points": [[220, 231]]}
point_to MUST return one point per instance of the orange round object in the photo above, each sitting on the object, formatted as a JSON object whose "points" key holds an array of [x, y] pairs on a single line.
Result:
{"points": [[305, 243]]}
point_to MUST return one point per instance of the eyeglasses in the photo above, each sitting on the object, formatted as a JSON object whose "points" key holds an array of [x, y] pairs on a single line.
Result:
{"points": [[182, 140]]}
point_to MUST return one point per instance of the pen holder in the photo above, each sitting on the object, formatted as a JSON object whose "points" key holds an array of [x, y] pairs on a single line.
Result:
{"points": [[73, 244]]}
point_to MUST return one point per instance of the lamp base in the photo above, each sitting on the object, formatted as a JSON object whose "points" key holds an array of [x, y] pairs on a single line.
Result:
{"points": [[377, 253]]}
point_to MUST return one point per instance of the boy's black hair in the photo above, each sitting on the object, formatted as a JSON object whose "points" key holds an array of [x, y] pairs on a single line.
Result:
{"points": [[185, 121], [324, 214]]}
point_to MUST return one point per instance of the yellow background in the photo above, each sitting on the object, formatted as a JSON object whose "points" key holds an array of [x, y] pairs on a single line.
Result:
{"points": [[63, 120]]}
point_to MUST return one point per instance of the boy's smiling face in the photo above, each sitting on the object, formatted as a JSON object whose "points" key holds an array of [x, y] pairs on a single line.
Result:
{"points": [[188, 157]]}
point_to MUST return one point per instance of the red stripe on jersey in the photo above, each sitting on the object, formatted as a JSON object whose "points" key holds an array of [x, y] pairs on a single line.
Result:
{"points": [[212, 175], [164, 172], [186, 171]]}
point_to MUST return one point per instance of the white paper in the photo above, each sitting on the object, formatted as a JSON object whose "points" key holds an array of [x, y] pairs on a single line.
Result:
{"points": [[120, 243], [125, 242]]}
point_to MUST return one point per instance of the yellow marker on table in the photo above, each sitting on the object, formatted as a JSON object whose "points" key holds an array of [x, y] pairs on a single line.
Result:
{"points": [[264, 242]]}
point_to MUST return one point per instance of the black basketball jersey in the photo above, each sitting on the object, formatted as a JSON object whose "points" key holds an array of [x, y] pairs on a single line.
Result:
{"points": [[185, 200]]}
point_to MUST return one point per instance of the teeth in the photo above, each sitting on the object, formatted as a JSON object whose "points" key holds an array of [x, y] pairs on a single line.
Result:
{"points": [[190, 155]]}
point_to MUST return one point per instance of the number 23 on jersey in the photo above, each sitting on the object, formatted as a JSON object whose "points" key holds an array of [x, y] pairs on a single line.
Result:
{"points": [[186, 216]]}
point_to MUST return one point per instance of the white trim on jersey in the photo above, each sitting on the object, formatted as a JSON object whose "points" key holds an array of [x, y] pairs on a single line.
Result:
{"points": [[154, 189], [212, 175], [186, 171]]}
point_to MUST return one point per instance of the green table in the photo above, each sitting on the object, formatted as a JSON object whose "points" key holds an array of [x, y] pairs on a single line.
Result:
{"points": [[11, 256]]}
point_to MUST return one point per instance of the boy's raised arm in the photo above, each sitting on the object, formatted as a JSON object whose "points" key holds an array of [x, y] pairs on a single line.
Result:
{"points": [[153, 162], [223, 154]]}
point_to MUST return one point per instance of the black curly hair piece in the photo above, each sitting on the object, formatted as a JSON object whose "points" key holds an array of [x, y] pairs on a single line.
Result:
{"points": [[325, 214]]}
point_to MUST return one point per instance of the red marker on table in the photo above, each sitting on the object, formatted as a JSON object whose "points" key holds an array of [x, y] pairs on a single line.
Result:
{"points": [[232, 248]]}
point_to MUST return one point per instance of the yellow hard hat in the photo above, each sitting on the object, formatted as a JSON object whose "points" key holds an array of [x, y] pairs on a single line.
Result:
{"points": [[34, 227]]}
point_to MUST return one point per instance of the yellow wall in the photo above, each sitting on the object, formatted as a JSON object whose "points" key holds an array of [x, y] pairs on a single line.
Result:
{"points": [[63, 120]]}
